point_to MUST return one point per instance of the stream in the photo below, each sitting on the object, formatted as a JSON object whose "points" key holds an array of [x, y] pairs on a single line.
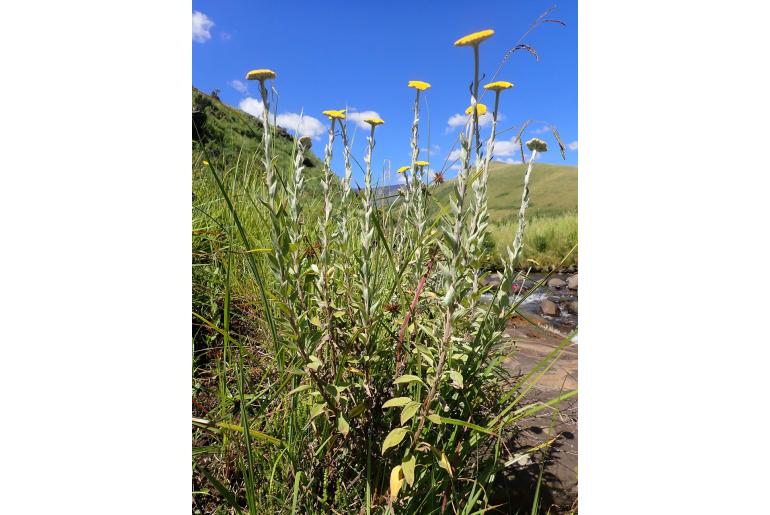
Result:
{"points": [[565, 299]]}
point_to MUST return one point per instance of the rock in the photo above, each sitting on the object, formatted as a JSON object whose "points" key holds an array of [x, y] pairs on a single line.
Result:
{"points": [[572, 282], [556, 283], [549, 308], [572, 307]]}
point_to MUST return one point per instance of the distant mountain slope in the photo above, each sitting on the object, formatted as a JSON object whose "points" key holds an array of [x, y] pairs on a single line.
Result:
{"points": [[552, 190]]}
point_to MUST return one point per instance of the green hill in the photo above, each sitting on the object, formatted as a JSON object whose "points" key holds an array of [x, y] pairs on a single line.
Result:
{"points": [[552, 190], [228, 132], [551, 217]]}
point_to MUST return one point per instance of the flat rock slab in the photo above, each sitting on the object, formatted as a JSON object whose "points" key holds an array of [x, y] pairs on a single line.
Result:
{"points": [[530, 346]]}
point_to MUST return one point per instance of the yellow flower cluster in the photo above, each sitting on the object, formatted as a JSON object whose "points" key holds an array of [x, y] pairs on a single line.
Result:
{"points": [[403, 169], [481, 109], [475, 38], [421, 163], [374, 121], [499, 85], [261, 74], [335, 114], [418, 84]]}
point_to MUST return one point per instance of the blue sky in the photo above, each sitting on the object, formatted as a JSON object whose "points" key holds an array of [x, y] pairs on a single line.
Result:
{"points": [[361, 54]]}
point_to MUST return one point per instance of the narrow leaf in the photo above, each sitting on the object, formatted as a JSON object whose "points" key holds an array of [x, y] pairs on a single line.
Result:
{"points": [[298, 389], [397, 402], [443, 462], [409, 411], [407, 466], [407, 378]]}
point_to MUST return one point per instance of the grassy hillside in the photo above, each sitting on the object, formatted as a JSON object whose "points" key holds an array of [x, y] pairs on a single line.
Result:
{"points": [[228, 133], [551, 217], [553, 190]]}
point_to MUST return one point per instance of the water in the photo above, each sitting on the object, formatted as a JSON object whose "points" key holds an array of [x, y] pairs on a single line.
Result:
{"points": [[530, 307]]}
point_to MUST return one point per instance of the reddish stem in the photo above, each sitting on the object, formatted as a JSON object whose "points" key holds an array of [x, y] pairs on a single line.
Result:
{"points": [[412, 309]]}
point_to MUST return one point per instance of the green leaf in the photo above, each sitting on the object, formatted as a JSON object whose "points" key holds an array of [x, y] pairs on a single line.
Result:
{"points": [[295, 495], [228, 495], [357, 409], [443, 462], [475, 427], [407, 467], [396, 482], [409, 411], [457, 378], [434, 418], [314, 363], [316, 409], [407, 378], [298, 389], [343, 426], [397, 402], [394, 438]]}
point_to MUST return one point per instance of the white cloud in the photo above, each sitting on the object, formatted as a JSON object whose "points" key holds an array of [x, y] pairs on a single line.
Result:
{"points": [[541, 130], [239, 86], [301, 125], [200, 27], [458, 120], [572, 146], [511, 161], [252, 106], [506, 148], [358, 118]]}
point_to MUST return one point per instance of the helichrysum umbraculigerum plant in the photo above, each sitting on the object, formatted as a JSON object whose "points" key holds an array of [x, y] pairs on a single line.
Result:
{"points": [[392, 371], [534, 145], [367, 238], [477, 233]]}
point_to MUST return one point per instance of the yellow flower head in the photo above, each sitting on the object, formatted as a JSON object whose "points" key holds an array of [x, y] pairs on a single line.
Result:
{"points": [[475, 38], [374, 122], [418, 84], [205, 163], [499, 85], [403, 169], [261, 74], [481, 109], [421, 163], [335, 114]]}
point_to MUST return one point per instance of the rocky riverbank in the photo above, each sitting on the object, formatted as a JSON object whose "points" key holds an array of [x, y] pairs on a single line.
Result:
{"points": [[543, 319]]}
